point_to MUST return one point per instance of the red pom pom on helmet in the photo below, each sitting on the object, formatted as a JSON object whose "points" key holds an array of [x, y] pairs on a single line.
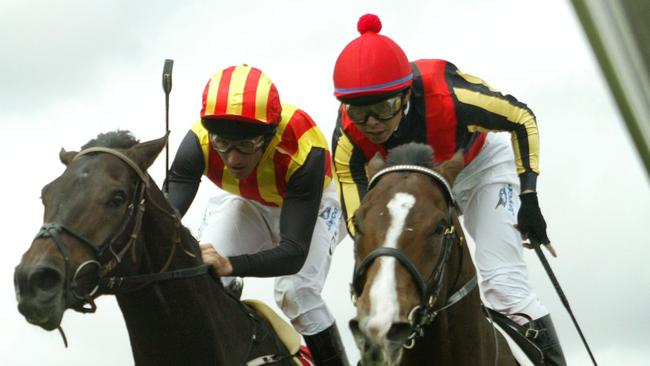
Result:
{"points": [[369, 23]]}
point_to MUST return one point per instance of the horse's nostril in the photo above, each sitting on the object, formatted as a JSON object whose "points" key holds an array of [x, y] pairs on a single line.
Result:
{"points": [[399, 332], [46, 279], [375, 353]]}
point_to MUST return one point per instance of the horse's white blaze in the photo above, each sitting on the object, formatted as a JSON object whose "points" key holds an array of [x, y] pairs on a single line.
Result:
{"points": [[384, 304]]}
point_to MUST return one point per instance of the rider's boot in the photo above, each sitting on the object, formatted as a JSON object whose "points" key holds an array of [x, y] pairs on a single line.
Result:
{"points": [[542, 332], [327, 348]]}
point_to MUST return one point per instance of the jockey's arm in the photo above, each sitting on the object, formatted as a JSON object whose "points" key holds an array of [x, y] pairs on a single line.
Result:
{"points": [[297, 220], [350, 168], [185, 174], [481, 108]]}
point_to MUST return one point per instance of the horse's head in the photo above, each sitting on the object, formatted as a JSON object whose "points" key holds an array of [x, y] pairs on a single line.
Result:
{"points": [[403, 226], [90, 215]]}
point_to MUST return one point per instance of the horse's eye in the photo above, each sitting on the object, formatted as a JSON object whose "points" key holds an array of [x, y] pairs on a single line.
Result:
{"points": [[118, 198], [440, 228]]}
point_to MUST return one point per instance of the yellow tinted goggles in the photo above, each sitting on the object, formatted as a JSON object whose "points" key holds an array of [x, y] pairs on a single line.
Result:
{"points": [[382, 111]]}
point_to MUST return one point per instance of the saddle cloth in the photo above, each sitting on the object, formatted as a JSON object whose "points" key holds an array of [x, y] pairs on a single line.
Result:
{"points": [[285, 332]]}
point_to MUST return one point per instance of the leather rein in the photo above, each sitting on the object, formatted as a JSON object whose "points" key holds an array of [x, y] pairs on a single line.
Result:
{"points": [[135, 214], [429, 289]]}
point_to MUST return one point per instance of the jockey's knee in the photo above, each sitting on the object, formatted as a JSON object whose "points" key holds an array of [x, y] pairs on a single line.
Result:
{"points": [[510, 294], [504, 291], [303, 305]]}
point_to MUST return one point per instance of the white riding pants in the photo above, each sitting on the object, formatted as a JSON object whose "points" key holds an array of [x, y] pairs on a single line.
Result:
{"points": [[487, 191], [235, 226]]}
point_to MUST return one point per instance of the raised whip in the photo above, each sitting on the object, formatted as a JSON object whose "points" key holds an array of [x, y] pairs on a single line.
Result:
{"points": [[167, 88]]}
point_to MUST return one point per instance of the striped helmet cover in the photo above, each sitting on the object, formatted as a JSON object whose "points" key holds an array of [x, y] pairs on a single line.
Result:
{"points": [[242, 93]]}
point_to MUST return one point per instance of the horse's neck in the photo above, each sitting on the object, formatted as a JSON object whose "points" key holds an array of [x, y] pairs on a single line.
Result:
{"points": [[460, 334], [191, 321], [468, 311]]}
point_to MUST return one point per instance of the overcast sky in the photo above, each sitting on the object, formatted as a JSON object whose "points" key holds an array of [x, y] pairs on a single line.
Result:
{"points": [[73, 68]]}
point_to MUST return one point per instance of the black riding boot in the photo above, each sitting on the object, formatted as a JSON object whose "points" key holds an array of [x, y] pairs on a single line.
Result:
{"points": [[327, 348], [543, 334]]}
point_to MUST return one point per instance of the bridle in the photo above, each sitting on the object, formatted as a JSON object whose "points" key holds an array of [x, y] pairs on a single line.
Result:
{"points": [[429, 289], [135, 214]]}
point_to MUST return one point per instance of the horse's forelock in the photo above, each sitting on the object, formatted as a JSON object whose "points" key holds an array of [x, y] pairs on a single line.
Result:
{"points": [[411, 153], [118, 139]]}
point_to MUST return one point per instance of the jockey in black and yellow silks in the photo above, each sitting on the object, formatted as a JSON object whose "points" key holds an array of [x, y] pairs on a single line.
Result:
{"points": [[387, 101], [277, 212], [448, 110]]}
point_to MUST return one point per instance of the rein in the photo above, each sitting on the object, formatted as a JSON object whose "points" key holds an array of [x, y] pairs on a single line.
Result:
{"points": [[424, 313], [135, 216]]}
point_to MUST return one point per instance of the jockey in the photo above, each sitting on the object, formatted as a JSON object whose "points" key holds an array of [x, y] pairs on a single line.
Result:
{"points": [[387, 101], [277, 214]]}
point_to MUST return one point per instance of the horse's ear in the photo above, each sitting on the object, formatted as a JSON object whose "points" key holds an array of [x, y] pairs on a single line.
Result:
{"points": [[376, 164], [66, 156], [145, 153], [450, 168]]}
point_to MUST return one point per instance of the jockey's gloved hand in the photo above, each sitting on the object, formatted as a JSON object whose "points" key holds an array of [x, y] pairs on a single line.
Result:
{"points": [[530, 221]]}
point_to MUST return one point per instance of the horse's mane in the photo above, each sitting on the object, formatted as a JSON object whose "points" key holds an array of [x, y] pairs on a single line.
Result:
{"points": [[412, 153], [118, 139]]}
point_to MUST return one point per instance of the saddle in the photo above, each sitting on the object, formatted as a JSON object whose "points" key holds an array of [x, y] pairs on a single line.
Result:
{"points": [[285, 332]]}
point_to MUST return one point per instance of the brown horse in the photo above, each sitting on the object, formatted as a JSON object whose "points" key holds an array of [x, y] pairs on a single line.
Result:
{"points": [[414, 283], [109, 229]]}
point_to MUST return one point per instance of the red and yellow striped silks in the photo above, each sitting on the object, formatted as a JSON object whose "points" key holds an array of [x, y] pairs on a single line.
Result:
{"points": [[294, 138]]}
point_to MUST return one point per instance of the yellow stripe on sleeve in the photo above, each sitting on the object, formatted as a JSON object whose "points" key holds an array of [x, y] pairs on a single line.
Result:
{"points": [[509, 112], [349, 190], [496, 105], [204, 141], [474, 80], [312, 138]]}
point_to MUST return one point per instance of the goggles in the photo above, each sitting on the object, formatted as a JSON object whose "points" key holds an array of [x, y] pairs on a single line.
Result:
{"points": [[247, 146], [382, 111]]}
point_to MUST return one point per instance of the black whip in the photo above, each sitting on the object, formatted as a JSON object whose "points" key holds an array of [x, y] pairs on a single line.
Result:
{"points": [[560, 293], [167, 88]]}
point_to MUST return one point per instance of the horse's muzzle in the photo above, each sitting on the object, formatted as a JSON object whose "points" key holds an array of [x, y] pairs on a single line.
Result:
{"points": [[39, 293]]}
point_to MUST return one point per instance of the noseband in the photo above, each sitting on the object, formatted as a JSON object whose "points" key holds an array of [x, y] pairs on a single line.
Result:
{"points": [[429, 289], [134, 215]]}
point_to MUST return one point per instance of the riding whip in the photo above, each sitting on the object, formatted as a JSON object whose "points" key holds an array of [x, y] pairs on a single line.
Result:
{"points": [[167, 88], [560, 293]]}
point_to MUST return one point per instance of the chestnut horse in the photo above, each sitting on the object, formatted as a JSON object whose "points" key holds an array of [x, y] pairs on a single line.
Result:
{"points": [[414, 283], [108, 229]]}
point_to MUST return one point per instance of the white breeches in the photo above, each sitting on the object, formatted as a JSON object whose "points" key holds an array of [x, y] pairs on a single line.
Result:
{"points": [[487, 191], [235, 226]]}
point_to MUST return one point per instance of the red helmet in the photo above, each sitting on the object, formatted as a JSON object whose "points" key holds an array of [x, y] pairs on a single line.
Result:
{"points": [[371, 64], [240, 101]]}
